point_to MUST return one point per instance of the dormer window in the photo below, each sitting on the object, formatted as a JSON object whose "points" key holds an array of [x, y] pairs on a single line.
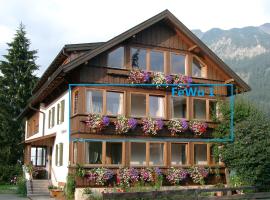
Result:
{"points": [[138, 58], [198, 68], [178, 63], [116, 58], [157, 61]]}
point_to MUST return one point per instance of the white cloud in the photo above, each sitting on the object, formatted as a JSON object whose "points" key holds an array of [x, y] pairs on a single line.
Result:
{"points": [[52, 23]]}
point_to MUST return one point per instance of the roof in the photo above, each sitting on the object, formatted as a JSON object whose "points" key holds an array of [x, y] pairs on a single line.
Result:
{"points": [[94, 49]]}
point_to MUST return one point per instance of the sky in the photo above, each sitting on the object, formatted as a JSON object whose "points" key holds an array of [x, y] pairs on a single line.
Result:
{"points": [[50, 24]]}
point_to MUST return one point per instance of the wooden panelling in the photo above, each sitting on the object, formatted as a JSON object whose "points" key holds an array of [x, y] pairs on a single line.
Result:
{"points": [[33, 124]]}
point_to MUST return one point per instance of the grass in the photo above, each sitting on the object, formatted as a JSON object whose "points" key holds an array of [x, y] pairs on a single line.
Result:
{"points": [[8, 189]]}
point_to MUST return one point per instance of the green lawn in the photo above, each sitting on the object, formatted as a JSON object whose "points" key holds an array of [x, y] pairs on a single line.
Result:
{"points": [[8, 189]]}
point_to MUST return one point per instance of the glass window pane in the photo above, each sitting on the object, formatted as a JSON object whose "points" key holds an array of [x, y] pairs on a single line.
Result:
{"points": [[116, 58], [156, 106], [157, 61], [156, 154], [199, 109], [115, 103], [138, 58], [94, 101], [213, 109], [179, 107], [75, 152], [179, 154], [93, 152], [33, 155], [196, 68], [200, 154], [178, 63], [114, 153], [138, 105], [138, 153]]}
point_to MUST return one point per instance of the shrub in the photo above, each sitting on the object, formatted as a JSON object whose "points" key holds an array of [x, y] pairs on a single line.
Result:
{"points": [[70, 187], [21, 183], [8, 172]]}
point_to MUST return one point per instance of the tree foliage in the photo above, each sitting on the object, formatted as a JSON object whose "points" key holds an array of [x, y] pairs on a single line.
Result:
{"points": [[249, 154], [17, 80]]}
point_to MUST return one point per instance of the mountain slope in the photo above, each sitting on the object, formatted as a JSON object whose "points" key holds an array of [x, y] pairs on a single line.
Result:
{"points": [[247, 51]]}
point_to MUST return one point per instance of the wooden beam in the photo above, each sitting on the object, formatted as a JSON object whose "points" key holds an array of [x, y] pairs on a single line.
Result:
{"points": [[192, 47]]}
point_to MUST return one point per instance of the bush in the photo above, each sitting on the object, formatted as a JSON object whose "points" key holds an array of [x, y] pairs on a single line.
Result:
{"points": [[22, 190], [8, 172], [70, 187]]}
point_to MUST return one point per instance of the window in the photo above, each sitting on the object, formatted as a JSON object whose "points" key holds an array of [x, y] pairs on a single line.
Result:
{"points": [[179, 154], [138, 58], [138, 105], [59, 154], [51, 117], [75, 152], [138, 154], [93, 152], [200, 154], [179, 107], [94, 101], [213, 112], [75, 101], [115, 103], [199, 109], [197, 68], [156, 106], [116, 58], [38, 156], [156, 154], [60, 112], [178, 63], [114, 153], [157, 61]]}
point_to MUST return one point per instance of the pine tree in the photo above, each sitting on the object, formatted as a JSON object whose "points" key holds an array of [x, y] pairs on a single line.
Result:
{"points": [[17, 80]]}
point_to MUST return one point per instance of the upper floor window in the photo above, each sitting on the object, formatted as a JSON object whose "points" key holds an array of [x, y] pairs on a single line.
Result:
{"points": [[156, 106], [75, 102], [197, 68], [60, 112], [138, 105], [115, 103], [179, 107], [199, 108], [116, 58], [178, 63], [51, 117], [138, 58], [157, 61], [156, 154], [94, 101]]}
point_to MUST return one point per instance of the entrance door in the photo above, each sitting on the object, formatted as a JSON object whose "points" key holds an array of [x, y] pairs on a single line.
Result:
{"points": [[49, 162]]}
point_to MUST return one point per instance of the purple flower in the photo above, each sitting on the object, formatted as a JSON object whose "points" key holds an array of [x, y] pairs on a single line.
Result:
{"points": [[169, 79], [189, 79], [146, 76], [159, 124], [184, 124], [158, 171], [132, 123], [106, 121]]}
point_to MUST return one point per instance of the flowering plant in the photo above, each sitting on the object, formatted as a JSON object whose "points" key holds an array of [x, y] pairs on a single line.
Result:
{"points": [[177, 126], [175, 175], [13, 180], [147, 175], [123, 125], [96, 121], [159, 78], [151, 126], [197, 127], [182, 79], [128, 176], [138, 76], [100, 175], [198, 174]]}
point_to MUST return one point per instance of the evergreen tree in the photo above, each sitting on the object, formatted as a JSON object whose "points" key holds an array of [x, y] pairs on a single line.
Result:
{"points": [[17, 80]]}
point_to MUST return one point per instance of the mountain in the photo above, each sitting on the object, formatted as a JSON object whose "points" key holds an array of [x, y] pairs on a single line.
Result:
{"points": [[247, 51]]}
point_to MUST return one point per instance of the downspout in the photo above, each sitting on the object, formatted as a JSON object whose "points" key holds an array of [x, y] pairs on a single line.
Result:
{"points": [[43, 113]]}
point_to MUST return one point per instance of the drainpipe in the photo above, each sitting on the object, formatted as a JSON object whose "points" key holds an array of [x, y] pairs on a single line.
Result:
{"points": [[43, 113]]}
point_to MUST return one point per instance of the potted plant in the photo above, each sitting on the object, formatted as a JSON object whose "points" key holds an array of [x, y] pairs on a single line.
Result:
{"points": [[219, 186], [54, 191]]}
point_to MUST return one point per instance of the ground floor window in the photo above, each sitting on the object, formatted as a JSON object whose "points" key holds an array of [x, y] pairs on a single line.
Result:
{"points": [[93, 152], [156, 154], [179, 154], [138, 154], [200, 154], [114, 153], [38, 156]]}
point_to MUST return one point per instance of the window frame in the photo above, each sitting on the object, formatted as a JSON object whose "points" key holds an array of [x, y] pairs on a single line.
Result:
{"points": [[207, 153], [146, 57], [124, 57], [75, 104], [59, 154], [149, 58], [206, 109], [45, 156], [203, 69], [171, 106], [170, 65], [147, 106], [104, 100]]}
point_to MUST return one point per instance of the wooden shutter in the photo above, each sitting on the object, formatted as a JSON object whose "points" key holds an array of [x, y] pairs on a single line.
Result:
{"points": [[62, 111], [58, 113], [53, 116], [56, 155], [49, 120], [61, 154]]}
